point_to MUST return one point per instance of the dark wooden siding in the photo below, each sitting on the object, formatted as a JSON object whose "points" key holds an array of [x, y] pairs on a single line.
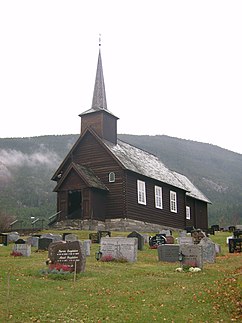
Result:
{"points": [[110, 128], [148, 212], [103, 123], [92, 154], [98, 205], [201, 214]]}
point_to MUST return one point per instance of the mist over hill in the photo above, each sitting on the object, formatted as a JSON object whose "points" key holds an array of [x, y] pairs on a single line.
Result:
{"points": [[27, 164]]}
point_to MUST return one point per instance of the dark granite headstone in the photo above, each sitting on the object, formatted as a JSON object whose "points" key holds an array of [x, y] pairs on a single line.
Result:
{"points": [[189, 229], [65, 234], [70, 253], [3, 239], [231, 228], [235, 245], [157, 240], [44, 243], [211, 231], [237, 233], [216, 227], [141, 240], [20, 241]]}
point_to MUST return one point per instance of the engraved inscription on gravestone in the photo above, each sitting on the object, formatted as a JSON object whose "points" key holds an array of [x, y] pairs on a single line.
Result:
{"points": [[120, 248], [69, 253]]}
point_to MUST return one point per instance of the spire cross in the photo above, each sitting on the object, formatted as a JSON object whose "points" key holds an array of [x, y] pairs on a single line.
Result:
{"points": [[99, 40]]}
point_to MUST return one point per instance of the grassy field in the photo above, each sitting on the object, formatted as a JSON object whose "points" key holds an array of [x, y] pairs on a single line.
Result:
{"points": [[144, 291]]}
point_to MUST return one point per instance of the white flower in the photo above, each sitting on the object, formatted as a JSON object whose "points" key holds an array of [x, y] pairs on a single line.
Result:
{"points": [[179, 270]]}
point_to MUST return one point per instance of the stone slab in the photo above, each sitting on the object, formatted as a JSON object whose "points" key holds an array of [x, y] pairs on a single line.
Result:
{"points": [[70, 253], [120, 248], [168, 252]]}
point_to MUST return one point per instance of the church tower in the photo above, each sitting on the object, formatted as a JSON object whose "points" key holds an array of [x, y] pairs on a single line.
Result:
{"points": [[99, 118]]}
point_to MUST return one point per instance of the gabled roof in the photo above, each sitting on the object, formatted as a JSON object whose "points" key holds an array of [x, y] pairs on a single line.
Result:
{"points": [[144, 163], [86, 175], [193, 191], [133, 159]]}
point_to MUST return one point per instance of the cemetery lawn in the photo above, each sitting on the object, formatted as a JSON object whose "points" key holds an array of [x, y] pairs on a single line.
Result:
{"points": [[144, 291]]}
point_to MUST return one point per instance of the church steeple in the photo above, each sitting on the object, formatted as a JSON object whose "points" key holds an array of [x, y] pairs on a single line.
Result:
{"points": [[99, 118], [99, 95]]}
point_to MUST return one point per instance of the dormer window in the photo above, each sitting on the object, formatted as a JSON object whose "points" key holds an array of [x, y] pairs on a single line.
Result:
{"points": [[111, 177]]}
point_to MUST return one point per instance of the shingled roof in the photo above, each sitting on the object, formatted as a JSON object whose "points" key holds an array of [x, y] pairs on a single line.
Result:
{"points": [[193, 191], [144, 163], [86, 174]]}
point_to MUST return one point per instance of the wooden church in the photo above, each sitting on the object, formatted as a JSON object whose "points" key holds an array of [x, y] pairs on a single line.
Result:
{"points": [[104, 181]]}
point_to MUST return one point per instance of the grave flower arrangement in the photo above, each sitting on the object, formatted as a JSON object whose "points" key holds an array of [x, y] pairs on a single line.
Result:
{"points": [[109, 258], [16, 254]]}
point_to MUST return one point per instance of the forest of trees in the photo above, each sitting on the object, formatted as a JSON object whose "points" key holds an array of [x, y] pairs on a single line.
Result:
{"points": [[27, 165]]}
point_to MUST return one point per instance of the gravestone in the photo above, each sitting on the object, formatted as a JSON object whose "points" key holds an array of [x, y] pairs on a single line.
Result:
{"points": [[170, 240], [211, 231], [70, 253], [13, 236], [87, 247], [54, 237], [168, 252], [33, 241], [215, 226], [3, 239], [190, 229], [140, 238], [65, 234], [166, 233], [20, 241], [192, 255], [235, 245], [185, 240], [71, 237], [237, 233], [44, 243], [218, 249], [120, 248], [94, 237], [209, 252], [182, 234], [146, 237], [24, 249], [157, 240]]}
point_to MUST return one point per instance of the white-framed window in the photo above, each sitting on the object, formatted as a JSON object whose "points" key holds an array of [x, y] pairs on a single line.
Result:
{"points": [[188, 213], [111, 177], [141, 192], [173, 202], [158, 197]]}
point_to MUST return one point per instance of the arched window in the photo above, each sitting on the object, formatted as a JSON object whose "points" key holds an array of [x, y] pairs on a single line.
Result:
{"points": [[111, 177]]}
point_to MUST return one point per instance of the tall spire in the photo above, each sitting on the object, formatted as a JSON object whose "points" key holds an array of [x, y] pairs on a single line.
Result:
{"points": [[99, 95]]}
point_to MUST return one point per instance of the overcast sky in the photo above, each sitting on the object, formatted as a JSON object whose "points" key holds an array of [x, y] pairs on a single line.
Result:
{"points": [[170, 67]]}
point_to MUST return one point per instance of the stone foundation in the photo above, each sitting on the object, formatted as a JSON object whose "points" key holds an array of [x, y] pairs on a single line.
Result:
{"points": [[125, 225]]}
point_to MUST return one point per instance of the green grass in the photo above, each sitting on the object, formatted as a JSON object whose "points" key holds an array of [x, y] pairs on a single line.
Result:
{"points": [[144, 291]]}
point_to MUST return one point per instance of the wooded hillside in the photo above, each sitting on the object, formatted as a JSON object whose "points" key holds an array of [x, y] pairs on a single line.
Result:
{"points": [[27, 164]]}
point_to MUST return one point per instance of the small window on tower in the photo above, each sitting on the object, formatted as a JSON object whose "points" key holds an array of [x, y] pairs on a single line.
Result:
{"points": [[111, 177]]}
